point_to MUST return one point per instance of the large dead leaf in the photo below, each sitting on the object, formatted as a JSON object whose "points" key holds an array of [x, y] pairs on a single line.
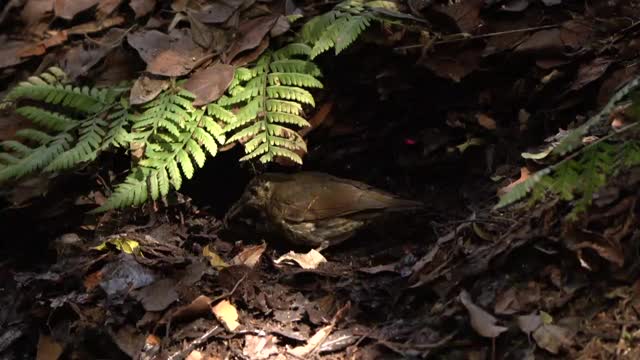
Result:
{"points": [[199, 307], [592, 71], [252, 32], [106, 7], [466, 14], [142, 7], [481, 321], [40, 48], [9, 53], [79, 59], [158, 296], [169, 55], [250, 256], [454, 65], [129, 339], [209, 84], [217, 12], [68, 9], [36, 10], [146, 89], [95, 26]]}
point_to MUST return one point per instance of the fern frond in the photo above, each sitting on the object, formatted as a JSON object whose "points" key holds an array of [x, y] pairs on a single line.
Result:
{"points": [[117, 133], [87, 147], [273, 95], [36, 159], [287, 118], [17, 147], [290, 93], [337, 28], [47, 119], [520, 190], [351, 30], [287, 52], [34, 135], [172, 151], [289, 107], [295, 79], [221, 113], [295, 66]]}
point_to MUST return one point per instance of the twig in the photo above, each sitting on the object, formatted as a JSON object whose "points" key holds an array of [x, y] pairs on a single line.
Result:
{"points": [[466, 36], [337, 317], [226, 295], [180, 354]]}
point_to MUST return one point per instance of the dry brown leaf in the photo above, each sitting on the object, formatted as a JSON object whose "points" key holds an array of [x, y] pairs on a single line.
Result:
{"points": [[146, 89], [157, 296], [481, 321], [211, 83], [40, 48], [318, 118], [486, 121], [217, 12], [252, 32], [552, 337], [524, 175], [96, 26], [129, 340], [36, 10], [9, 53], [310, 260], [281, 26], [106, 7], [253, 55], [543, 42], [79, 59], [68, 9], [466, 14], [250, 256], [199, 307], [454, 65], [259, 347], [168, 55], [48, 348], [142, 7], [227, 314], [592, 71]]}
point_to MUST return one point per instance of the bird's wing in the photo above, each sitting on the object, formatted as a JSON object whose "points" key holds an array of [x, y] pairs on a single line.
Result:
{"points": [[317, 196]]}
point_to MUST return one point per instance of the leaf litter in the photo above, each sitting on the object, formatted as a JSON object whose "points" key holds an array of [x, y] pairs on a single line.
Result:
{"points": [[181, 287]]}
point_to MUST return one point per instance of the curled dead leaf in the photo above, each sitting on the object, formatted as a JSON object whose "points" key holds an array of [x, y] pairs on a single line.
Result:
{"points": [[481, 321]]}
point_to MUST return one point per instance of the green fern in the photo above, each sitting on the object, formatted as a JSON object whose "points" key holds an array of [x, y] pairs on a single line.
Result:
{"points": [[174, 134], [337, 28], [270, 97], [61, 141], [586, 170]]}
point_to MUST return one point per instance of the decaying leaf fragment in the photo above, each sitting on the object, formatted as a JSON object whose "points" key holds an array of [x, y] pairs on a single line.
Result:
{"points": [[481, 321]]}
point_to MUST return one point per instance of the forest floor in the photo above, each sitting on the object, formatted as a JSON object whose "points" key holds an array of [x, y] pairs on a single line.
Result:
{"points": [[444, 124]]}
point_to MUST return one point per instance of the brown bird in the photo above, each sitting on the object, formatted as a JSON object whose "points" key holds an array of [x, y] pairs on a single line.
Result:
{"points": [[316, 209]]}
